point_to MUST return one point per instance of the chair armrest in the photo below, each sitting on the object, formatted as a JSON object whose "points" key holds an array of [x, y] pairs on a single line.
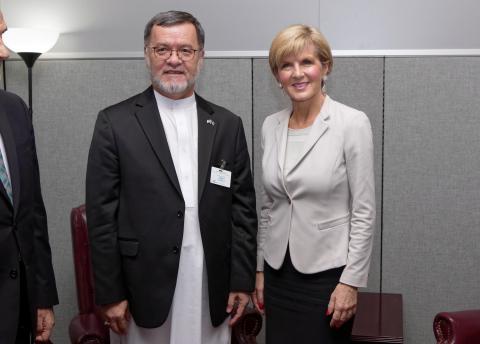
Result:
{"points": [[247, 327], [88, 329], [457, 327]]}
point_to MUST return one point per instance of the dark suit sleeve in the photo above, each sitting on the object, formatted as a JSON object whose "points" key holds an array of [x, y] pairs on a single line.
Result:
{"points": [[46, 291], [244, 219], [102, 201]]}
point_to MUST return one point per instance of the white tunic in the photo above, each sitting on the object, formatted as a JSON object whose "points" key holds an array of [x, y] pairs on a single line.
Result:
{"points": [[189, 319]]}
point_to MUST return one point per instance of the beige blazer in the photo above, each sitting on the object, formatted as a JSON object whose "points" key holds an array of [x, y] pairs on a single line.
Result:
{"points": [[323, 209]]}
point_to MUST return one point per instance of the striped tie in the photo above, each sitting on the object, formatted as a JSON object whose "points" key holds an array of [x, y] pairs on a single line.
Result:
{"points": [[5, 179]]}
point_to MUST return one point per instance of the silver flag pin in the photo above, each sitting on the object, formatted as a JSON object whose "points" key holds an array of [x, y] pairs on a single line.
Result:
{"points": [[211, 122]]}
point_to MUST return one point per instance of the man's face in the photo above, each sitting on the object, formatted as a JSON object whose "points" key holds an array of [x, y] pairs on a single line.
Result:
{"points": [[4, 53], [173, 77]]}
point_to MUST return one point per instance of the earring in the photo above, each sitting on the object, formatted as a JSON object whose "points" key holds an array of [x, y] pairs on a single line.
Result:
{"points": [[280, 86], [324, 84]]}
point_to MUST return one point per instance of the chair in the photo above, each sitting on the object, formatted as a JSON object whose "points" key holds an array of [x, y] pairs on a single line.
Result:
{"points": [[457, 327], [87, 326]]}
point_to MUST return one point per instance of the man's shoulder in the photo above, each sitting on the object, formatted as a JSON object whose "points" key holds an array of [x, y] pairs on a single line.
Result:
{"points": [[129, 103], [215, 108], [9, 99], [14, 109]]}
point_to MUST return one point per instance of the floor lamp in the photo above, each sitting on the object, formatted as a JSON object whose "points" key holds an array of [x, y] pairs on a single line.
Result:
{"points": [[29, 44]]}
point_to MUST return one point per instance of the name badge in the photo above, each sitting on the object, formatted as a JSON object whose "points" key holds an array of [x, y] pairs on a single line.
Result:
{"points": [[220, 177]]}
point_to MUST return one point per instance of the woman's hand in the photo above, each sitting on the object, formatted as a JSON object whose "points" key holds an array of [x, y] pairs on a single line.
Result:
{"points": [[343, 304], [257, 295]]}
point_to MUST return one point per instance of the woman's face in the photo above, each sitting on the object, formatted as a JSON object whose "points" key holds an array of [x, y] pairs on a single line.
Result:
{"points": [[301, 75]]}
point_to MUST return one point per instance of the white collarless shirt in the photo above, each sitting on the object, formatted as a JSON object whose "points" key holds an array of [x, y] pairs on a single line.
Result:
{"points": [[179, 119]]}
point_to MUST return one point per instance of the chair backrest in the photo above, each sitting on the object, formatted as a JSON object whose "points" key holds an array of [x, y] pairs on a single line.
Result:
{"points": [[461, 327], [82, 260]]}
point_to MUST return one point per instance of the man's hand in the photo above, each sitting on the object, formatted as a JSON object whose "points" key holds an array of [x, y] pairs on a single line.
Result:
{"points": [[237, 301], [257, 295], [116, 316], [343, 304], [45, 323]]}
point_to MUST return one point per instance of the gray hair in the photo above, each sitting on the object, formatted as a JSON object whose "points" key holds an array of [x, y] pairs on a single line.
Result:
{"points": [[172, 18]]}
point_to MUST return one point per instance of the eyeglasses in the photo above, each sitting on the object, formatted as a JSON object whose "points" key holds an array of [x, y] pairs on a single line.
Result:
{"points": [[164, 53]]}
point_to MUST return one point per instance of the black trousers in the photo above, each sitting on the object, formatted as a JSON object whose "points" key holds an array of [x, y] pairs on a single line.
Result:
{"points": [[296, 305], [24, 322]]}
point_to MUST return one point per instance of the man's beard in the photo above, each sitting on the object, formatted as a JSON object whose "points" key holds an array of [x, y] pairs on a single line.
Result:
{"points": [[173, 87]]}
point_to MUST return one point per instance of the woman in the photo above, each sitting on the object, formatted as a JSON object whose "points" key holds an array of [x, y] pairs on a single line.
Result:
{"points": [[318, 205]]}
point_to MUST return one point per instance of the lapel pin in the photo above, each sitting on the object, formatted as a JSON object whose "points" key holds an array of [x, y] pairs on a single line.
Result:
{"points": [[211, 122]]}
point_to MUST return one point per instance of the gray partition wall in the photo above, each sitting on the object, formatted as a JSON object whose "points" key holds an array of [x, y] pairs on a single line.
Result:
{"points": [[429, 107], [432, 187]]}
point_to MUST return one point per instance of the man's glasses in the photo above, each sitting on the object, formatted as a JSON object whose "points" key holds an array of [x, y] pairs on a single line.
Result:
{"points": [[164, 53]]}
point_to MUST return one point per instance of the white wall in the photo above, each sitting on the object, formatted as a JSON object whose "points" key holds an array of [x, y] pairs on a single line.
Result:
{"points": [[114, 28], [407, 24]]}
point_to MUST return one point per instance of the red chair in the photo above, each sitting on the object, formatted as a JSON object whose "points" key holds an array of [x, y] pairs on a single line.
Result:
{"points": [[87, 327], [457, 327]]}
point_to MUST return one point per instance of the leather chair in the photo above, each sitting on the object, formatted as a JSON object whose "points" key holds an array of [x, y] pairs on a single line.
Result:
{"points": [[457, 327], [87, 326]]}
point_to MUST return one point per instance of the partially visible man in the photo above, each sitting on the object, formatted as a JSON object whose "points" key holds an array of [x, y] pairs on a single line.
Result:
{"points": [[27, 282], [170, 202]]}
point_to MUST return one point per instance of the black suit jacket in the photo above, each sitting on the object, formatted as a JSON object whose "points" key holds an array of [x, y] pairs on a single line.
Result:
{"points": [[23, 225], [135, 209]]}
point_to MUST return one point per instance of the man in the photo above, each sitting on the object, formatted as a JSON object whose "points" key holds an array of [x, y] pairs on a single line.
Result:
{"points": [[27, 283], [170, 202]]}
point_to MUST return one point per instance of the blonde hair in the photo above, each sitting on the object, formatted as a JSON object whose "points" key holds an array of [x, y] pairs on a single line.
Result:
{"points": [[294, 39]]}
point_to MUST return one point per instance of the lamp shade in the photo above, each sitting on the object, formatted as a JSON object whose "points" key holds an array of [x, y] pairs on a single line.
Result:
{"points": [[22, 40]]}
